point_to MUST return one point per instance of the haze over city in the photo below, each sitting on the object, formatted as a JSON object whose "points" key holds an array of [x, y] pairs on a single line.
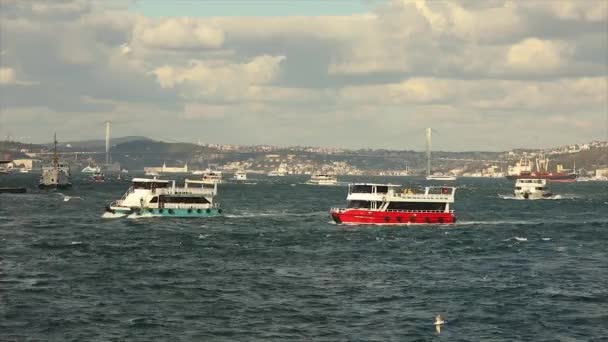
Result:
{"points": [[486, 75]]}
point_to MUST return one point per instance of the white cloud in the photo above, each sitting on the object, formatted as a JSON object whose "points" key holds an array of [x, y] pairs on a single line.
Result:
{"points": [[7, 75], [177, 33], [535, 55], [219, 79], [469, 65]]}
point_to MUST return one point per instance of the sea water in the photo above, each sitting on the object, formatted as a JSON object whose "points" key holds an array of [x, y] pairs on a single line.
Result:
{"points": [[276, 268]]}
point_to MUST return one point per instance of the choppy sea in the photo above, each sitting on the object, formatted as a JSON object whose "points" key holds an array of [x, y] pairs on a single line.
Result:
{"points": [[275, 268]]}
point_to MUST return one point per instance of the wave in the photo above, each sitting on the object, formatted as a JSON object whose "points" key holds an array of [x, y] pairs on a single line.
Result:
{"points": [[555, 197], [108, 215], [276, 214]]}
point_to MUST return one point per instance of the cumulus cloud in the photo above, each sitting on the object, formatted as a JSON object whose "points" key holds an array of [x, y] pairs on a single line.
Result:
{"points": [[462, 64], [177, 33], [535, 55], [220, 79]]}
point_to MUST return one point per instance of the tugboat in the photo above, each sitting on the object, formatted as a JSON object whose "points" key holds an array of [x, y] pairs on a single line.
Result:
{"points": [[159, 197], [531, 188], [322, 179], [55, 176], [385, 204]]}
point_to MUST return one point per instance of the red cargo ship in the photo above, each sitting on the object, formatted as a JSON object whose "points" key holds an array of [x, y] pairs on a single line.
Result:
{"points": [[386, 204]]}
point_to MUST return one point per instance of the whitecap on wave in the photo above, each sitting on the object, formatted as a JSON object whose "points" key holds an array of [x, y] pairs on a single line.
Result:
{"points": [[112, 215]]}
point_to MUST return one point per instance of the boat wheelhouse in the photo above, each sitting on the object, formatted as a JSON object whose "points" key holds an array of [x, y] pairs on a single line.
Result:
{"points": [[323, 179], [159, 197], [387, 204], [531, 188]]}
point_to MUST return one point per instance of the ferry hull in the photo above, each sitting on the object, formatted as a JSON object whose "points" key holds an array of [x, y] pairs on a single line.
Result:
{"points": [[135, 212], [54, 186], [367, 217]]}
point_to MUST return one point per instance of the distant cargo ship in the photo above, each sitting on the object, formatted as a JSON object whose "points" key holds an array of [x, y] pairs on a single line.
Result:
{"points": [[522, 169]]}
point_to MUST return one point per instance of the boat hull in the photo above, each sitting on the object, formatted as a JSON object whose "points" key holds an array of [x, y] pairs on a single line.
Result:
{"points": [[13, 190], [373, 217], [54, 186], [155, 212]]}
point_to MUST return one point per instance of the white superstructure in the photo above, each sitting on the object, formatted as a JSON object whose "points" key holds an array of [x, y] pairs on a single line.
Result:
{"points": [[240, 175], [212, 177], [323, 179], [531, 189], [155, 195]]}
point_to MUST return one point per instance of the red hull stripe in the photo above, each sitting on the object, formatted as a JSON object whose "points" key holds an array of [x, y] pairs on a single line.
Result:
{"points": [[392, 218]]}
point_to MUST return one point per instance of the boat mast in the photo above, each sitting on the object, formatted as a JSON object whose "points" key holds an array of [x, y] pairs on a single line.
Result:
{"points": [[55, 158], [428, 151]]}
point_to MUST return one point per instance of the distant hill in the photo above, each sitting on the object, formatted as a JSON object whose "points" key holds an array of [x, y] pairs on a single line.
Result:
{"points": [[100, 143]]}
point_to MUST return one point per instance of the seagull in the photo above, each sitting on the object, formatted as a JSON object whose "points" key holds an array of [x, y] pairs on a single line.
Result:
{"points": [[439, 321], [67, 198]]}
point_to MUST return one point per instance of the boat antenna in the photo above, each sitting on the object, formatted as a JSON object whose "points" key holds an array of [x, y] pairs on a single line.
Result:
{"points": [[428, 151], [55, 158]]}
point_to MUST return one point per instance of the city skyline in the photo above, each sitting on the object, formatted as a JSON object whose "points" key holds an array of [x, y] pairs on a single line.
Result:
{"points": [[487, 76]]}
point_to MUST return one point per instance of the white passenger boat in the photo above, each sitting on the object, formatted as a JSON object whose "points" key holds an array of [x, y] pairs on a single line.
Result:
{"points": [[212, 177], [385, 204], [240, 176], [91, 169], [159, 197], [323, 179], [531, 188]]}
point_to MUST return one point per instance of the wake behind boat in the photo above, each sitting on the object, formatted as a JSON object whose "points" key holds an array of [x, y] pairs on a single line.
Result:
{"points": [[383, 204], [158, 197]]}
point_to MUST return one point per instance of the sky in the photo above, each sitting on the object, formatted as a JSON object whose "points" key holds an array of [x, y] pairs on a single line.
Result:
{"points": [[485, 75]]}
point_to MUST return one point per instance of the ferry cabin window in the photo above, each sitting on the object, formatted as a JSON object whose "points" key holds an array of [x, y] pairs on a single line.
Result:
{"points": [[183, 199], [365, 189], [416, 206], [382, 189], [540, 188], [149, 185], [154, 199], [359, 204]]}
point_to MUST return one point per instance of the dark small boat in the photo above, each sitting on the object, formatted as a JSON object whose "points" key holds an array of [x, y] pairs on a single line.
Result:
{"points": [[13, 190]]}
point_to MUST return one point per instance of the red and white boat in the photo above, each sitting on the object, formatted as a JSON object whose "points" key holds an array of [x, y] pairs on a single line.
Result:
{"points": [[387, 204]]}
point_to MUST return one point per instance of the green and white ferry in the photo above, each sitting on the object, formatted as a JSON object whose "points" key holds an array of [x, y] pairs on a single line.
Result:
{"points": [[161, 198]]}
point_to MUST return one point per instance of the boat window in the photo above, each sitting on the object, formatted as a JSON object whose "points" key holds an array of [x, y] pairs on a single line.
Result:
{"points": [[154, 199], [359, 204], [518, 188], [540, 188], [381, 189], [366, 189], [183, 199], [150, 185], [416, 206]]}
